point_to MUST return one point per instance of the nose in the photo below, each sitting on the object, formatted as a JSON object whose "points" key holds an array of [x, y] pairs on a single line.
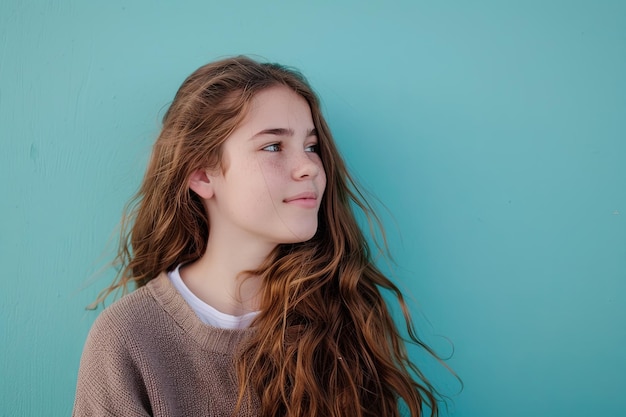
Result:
{"points": [[306, 165]]}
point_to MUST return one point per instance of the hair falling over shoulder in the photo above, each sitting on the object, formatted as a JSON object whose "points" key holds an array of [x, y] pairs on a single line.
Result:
{"points": [[326, 344]]}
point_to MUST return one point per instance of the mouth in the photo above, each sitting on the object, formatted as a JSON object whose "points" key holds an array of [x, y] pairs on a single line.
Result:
{"points": [[301, 196], [307, 200]]}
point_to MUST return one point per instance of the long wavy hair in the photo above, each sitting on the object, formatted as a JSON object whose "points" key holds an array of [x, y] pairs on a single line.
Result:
{"points": [[326, 344]]}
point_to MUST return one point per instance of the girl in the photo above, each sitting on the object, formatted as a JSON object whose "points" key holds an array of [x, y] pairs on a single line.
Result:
{"points": [[257, 294]]}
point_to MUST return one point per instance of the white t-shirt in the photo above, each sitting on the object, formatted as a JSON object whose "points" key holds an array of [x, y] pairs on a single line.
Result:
{"points": [[209, 315]]}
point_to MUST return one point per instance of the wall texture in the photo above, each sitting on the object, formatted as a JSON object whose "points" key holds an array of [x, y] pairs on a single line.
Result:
{"points": [[494, 132]]}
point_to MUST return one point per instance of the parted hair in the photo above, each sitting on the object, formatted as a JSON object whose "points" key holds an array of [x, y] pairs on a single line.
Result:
{"points": [[325, 343]]}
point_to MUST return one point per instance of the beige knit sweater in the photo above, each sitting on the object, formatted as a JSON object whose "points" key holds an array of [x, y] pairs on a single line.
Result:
{"points": [[148, 354]]}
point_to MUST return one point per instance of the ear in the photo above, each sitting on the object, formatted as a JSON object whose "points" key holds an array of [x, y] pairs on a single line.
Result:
{"points": [[200, 183]]}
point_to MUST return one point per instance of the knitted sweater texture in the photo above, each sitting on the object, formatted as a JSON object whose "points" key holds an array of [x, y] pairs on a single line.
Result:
{"points": [[148, 354]]}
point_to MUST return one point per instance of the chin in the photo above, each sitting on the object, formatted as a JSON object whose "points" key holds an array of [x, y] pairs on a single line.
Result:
{"points": [[299, 236]]}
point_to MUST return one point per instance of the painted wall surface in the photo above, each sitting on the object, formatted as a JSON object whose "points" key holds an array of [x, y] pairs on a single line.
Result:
{"points": [[494, 132]]}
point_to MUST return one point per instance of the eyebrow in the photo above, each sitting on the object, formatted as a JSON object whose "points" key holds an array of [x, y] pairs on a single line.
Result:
{"points": [[283, 132]]}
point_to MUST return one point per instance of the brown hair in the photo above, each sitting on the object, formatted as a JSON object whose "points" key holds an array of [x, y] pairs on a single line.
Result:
{"points": [[326, 344]]}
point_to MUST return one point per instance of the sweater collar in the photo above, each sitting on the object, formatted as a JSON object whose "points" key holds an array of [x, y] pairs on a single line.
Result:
{"points": [[208, 337]]}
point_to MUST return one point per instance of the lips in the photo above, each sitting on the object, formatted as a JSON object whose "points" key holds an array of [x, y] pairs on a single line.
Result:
{"points": [[306, 200], [301, 196]]}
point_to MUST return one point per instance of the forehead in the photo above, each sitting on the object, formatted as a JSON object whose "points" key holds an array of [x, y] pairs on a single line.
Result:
{"points": [[280, 105]]}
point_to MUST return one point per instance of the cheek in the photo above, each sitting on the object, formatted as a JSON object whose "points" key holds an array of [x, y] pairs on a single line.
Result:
{"points": [[270, 164], [271, 172], [257, 183], [322, 178]]}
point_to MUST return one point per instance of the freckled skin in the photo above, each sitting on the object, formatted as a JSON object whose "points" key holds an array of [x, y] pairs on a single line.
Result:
{"points": [[266, 168]]}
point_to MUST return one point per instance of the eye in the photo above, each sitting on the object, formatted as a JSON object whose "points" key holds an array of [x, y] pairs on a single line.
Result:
{"points": [[315, 148], [274, 147]]}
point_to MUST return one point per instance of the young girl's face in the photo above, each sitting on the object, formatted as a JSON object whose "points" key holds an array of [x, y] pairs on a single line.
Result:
{"points": [[272, 182]]}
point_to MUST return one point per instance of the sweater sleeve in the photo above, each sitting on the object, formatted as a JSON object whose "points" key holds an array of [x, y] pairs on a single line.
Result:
{"points": [[109, 382]]}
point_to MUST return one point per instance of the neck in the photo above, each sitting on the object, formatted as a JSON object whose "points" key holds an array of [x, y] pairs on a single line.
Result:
{"points": [[217, 277]]}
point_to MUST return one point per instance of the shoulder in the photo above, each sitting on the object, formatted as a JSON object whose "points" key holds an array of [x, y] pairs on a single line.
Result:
{"points": [[113, 375], [127, 317]]}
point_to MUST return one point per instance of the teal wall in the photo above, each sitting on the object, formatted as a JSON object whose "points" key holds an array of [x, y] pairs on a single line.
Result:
{"points": [[494, 132]]}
